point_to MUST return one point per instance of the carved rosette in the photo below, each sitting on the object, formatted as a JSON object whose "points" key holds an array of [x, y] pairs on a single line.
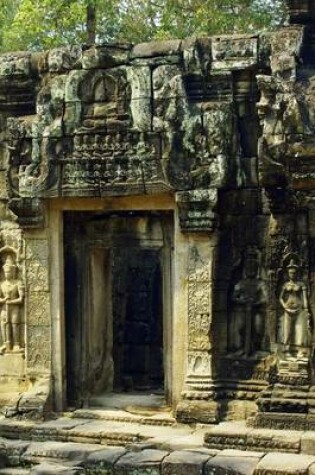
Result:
{"points": [[198, 383]]}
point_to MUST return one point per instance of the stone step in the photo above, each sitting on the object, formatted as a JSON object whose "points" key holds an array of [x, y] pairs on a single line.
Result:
{"points": [[155, 419], [74, 430], [238, 436], [45, 458], [102, 432], [15, 471]]}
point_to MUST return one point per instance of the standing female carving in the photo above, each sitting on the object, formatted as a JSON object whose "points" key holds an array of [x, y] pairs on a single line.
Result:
{"points": [[294, 301]]}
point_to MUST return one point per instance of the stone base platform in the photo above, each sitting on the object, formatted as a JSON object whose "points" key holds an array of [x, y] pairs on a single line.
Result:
{"points": [[89, 441], [39, 458], [236, 435]]}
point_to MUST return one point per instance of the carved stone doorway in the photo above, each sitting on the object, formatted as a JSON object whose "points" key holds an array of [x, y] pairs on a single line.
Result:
{"points": [[117, 303]]}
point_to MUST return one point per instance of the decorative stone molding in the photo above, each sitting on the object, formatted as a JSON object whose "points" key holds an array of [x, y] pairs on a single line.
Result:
{"points": [[197, 210], [30, 212]]}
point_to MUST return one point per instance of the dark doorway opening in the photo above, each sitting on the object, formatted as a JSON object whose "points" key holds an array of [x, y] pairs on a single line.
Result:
{"points": [[137, 320], [115, 269]]}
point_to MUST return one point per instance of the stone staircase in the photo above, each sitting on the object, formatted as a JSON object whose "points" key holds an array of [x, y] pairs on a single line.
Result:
{"points": [[97, 441]]}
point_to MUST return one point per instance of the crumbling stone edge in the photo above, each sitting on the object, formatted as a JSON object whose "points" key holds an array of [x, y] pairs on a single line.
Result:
{"points": [[75, 458]]}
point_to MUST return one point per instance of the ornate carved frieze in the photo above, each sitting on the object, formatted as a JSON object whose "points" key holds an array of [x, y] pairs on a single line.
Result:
{"points": [[234, 52], [113, 164], [128, 129]]}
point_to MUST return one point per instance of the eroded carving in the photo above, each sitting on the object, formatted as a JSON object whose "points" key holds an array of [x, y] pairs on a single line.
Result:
{"points": [[248, 320], [198, 381], [295, 320], [11, 301]]}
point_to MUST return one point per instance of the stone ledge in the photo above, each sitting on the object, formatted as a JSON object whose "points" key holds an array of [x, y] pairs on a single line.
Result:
{"points": [[240, 437], [285, 464], [71, 458]]}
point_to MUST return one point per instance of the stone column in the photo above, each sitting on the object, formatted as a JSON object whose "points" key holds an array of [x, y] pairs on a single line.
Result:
{"points": [[197, 221]]}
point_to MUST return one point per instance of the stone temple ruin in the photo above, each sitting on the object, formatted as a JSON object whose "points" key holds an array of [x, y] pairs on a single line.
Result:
{"points": [[157, 229]]}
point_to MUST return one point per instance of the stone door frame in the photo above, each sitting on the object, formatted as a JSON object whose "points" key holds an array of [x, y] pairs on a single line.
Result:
{"points": [[173, 342]]}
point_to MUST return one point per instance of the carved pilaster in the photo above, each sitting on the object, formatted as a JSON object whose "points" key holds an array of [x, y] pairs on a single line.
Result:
{"points": [[198, 384], [198, 389]]}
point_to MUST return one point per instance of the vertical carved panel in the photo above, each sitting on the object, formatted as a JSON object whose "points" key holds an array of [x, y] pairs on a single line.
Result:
{"points": [[38, 325], [198, 379]]}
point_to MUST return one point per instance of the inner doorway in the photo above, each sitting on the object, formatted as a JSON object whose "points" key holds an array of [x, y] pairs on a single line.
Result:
{"points": [[117, 302]]}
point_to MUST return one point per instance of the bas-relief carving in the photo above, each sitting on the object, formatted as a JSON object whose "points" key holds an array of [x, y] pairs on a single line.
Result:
{"points": [[12, 289], [247, 325], [24, 299], [11, 301], [38, 354], [100, 164], [123, 130], [198, 379], [294, 322]]}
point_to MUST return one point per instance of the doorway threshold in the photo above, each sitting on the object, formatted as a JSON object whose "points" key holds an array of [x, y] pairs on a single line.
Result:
{"points": [[150, 409], [131, 402]]}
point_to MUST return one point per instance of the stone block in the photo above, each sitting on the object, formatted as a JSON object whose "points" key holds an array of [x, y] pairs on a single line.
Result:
{"points": [[37, 275], [183, 462], [15, 471], [156, 48], [37, 249], [234, 52], [57, 430], [230, 465], [12, 364], [197, 411], [284, 464], [38, 347], [38, 306], [104, 460], [141, 111], [274, 440], [227, 435], [16, 429], [13, 449], [308, 443], [105, 56], [147, 462], [3, 458], [49, 468], [65, 58], [39, 451], [3, 190]]}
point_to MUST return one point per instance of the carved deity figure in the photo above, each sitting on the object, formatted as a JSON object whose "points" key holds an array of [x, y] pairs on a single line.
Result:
{"points": [[11, 300], [247, 326], [295, 319]]}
